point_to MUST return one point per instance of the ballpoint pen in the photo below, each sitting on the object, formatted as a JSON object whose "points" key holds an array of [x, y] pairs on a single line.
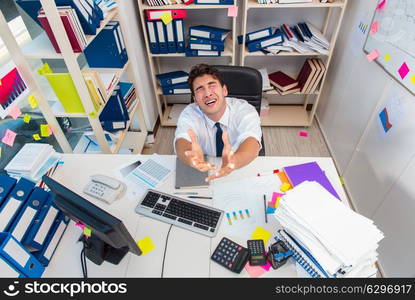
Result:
{"points": [[185, 193], [268, 173], [199, 197], [265, 209]]}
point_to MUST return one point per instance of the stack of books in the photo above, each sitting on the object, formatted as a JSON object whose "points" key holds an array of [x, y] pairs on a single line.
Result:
{"points": [[283, 83], [12, 86], [327, 238], [262, 39], [174, 83], [310, 75], [167, 2], [32, 161], [128, 94], [206, 41], [165, 36]]}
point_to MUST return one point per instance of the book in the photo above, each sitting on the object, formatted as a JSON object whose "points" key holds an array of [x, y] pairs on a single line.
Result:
{"points": [[320, 75], [293, 90], [306, 74], [282, 81], [314, 76], [188, 177]]}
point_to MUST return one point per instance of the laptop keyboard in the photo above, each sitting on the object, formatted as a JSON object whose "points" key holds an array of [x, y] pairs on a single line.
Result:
{"points": [[180, 212]]}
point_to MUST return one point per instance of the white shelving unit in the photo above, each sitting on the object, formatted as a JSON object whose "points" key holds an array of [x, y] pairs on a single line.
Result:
{"points": [[41, 48], [155, 63], [292, 115]]}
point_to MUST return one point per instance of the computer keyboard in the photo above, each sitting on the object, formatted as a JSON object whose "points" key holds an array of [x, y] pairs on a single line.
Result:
{"points": [[181, 212]]}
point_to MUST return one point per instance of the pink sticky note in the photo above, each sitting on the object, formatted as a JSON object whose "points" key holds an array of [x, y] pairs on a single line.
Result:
{"points": [[233, 11], [381, 4], [372, 55], [254, 271], [303, 133], [374, 28], [9, 137], [403, 70], [15, 112], [80, 225]]}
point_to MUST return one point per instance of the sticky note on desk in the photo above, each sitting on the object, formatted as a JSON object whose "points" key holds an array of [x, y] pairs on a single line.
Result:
{"points": [[9, 137], [254, 271], [261, 234], [146, 245], [403, 70]]}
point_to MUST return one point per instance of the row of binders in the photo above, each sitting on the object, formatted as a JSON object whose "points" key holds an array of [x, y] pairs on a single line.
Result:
{"points": [[174, 83], [307, 81], [206, 41], [11, 87], [302, 37], [187, 2], [285, 1], [31, 227]]}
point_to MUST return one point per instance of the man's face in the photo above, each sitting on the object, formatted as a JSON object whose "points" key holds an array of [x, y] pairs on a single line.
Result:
{"points": [[210, 96]]}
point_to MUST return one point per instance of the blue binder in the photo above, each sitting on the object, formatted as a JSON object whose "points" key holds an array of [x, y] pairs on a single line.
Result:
{"points": [[171, 41], [203, 44], [92, 4], [9, 270], [179, 34], [201, 53], [214, 2], [152, 37], [6, 185], [255, 35], [126, 88], [162, 37], [275, 39], [14, 202], [105, 51], [53, 238], [13, 252], [28, 212], [176, 89], [208, 32], [114, 116], [170, 78], [36, 236], [119, 39]]}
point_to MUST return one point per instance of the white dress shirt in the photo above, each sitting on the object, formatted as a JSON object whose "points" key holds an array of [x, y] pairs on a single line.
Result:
{"points": [[240, 119]]}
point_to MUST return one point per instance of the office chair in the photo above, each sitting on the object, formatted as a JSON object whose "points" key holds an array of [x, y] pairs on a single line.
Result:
{"points": [[244, 83]]}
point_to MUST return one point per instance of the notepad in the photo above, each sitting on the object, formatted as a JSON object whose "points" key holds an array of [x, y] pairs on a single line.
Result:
{"points": [[188, 177]]}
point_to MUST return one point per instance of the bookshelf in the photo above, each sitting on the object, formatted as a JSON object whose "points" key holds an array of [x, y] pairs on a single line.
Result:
{"points": [[161, 63], [332, 15], [41, 48]]}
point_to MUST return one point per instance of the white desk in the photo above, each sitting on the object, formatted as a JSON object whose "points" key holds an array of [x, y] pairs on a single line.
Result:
{"points": [[188, 254]]}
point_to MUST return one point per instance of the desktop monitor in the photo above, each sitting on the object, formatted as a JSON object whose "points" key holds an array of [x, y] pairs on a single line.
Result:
{"points": [[110, 240]]}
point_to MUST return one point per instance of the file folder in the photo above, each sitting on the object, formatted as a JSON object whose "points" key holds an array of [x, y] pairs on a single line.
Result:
{"points": [[152, 37], [171, 41], [217, 2], [6, 185], [170, 78], [162, 39], [53, 238], [209, 45], [179, 35], [28, 213], [177, 89], [155, 15], [8, 270], [36, 236], [208, 32], [256, 35], [13, 203], [13, 252], [119, 39], [115, 115], [193, 53], [276, 39]]}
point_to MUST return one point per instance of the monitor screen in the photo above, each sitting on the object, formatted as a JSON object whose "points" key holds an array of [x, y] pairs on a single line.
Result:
{"points": [[110, 240]]}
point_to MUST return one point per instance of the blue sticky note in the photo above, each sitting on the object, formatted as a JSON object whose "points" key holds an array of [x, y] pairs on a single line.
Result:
{"points": [[270, 210]]}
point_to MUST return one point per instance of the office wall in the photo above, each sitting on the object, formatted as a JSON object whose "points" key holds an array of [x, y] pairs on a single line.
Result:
{"points": [[376, 166]]}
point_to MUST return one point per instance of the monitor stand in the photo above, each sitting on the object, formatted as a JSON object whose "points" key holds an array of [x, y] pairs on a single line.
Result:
{"points": [[97, 251]]}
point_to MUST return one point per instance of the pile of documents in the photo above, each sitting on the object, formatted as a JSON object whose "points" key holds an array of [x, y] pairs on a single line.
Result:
{"points": [[32, 161], [328, 238]]}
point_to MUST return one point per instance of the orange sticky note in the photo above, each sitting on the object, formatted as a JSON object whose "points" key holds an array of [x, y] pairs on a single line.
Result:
{"points": [[44, 130], [374, 27], [372, 55], [166, 18], [9, 137], [36, 137], [15, 112], [283, 177], [26, 118], [233, 11], [32, 101]]}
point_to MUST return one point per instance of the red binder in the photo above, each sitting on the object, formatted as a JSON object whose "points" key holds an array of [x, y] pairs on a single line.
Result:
{"points": [[154, 15]]}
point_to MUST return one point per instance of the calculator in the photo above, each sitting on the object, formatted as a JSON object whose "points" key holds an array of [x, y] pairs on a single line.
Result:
{"points": [[230, 255], [257, 255]]}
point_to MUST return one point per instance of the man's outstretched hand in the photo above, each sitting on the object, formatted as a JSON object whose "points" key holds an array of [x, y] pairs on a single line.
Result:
{"points": [[228, 159], [196, 155]]}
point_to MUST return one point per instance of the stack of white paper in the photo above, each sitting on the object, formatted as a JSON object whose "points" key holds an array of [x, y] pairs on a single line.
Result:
{"points": [[32, 161], [343, 242]]}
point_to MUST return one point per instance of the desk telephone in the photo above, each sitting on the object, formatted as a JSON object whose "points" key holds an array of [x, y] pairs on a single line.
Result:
{"points": [[105, 188]]}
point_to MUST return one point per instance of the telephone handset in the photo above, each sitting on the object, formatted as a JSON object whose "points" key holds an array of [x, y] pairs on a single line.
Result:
{"points": [[105, 188]]}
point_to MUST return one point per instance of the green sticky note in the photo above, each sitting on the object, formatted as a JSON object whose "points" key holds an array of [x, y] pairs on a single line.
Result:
{"points": [[87, 231], [261, 234], [146, 245], [166, 18], [26, 118]]}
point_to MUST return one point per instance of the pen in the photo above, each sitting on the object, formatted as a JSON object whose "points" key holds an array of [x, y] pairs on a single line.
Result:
{"points": [[185, 193], [199, 197], [265, 209], [268, 173]]}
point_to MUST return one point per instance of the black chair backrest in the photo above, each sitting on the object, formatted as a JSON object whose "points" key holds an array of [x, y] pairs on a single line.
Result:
{"points": [[244, 83]]}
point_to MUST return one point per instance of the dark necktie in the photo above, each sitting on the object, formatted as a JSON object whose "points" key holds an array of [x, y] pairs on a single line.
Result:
{"points": [[219, 141]]}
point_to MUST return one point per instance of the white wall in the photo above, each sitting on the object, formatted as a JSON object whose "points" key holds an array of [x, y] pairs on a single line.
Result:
{"points": [[375, 166]]}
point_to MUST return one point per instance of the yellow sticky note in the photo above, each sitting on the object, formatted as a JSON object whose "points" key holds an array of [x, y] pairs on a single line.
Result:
{"points": [[45, 69], [387, 57], [277, 202], [26, 118], [0, 151], [93, 114], [32, 101], [36, 137], [44, 130], [261, 234], [87, 231], [146, 245], [166, 18], [285, 187], [413, 79], [341, 180]]}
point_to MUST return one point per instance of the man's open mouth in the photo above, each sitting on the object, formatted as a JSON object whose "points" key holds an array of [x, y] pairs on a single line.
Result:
{"points": [[210, 102]]}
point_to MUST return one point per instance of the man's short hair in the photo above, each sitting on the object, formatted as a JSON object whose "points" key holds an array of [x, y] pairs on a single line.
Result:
{"points": [[203, 69]]}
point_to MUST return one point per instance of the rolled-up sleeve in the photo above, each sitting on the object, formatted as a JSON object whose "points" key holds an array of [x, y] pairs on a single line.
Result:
{"points": [[249, 125], [183, 125]]}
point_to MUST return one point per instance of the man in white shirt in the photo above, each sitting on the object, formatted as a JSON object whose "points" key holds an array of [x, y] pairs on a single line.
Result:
{"points": [[216, 125]]}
